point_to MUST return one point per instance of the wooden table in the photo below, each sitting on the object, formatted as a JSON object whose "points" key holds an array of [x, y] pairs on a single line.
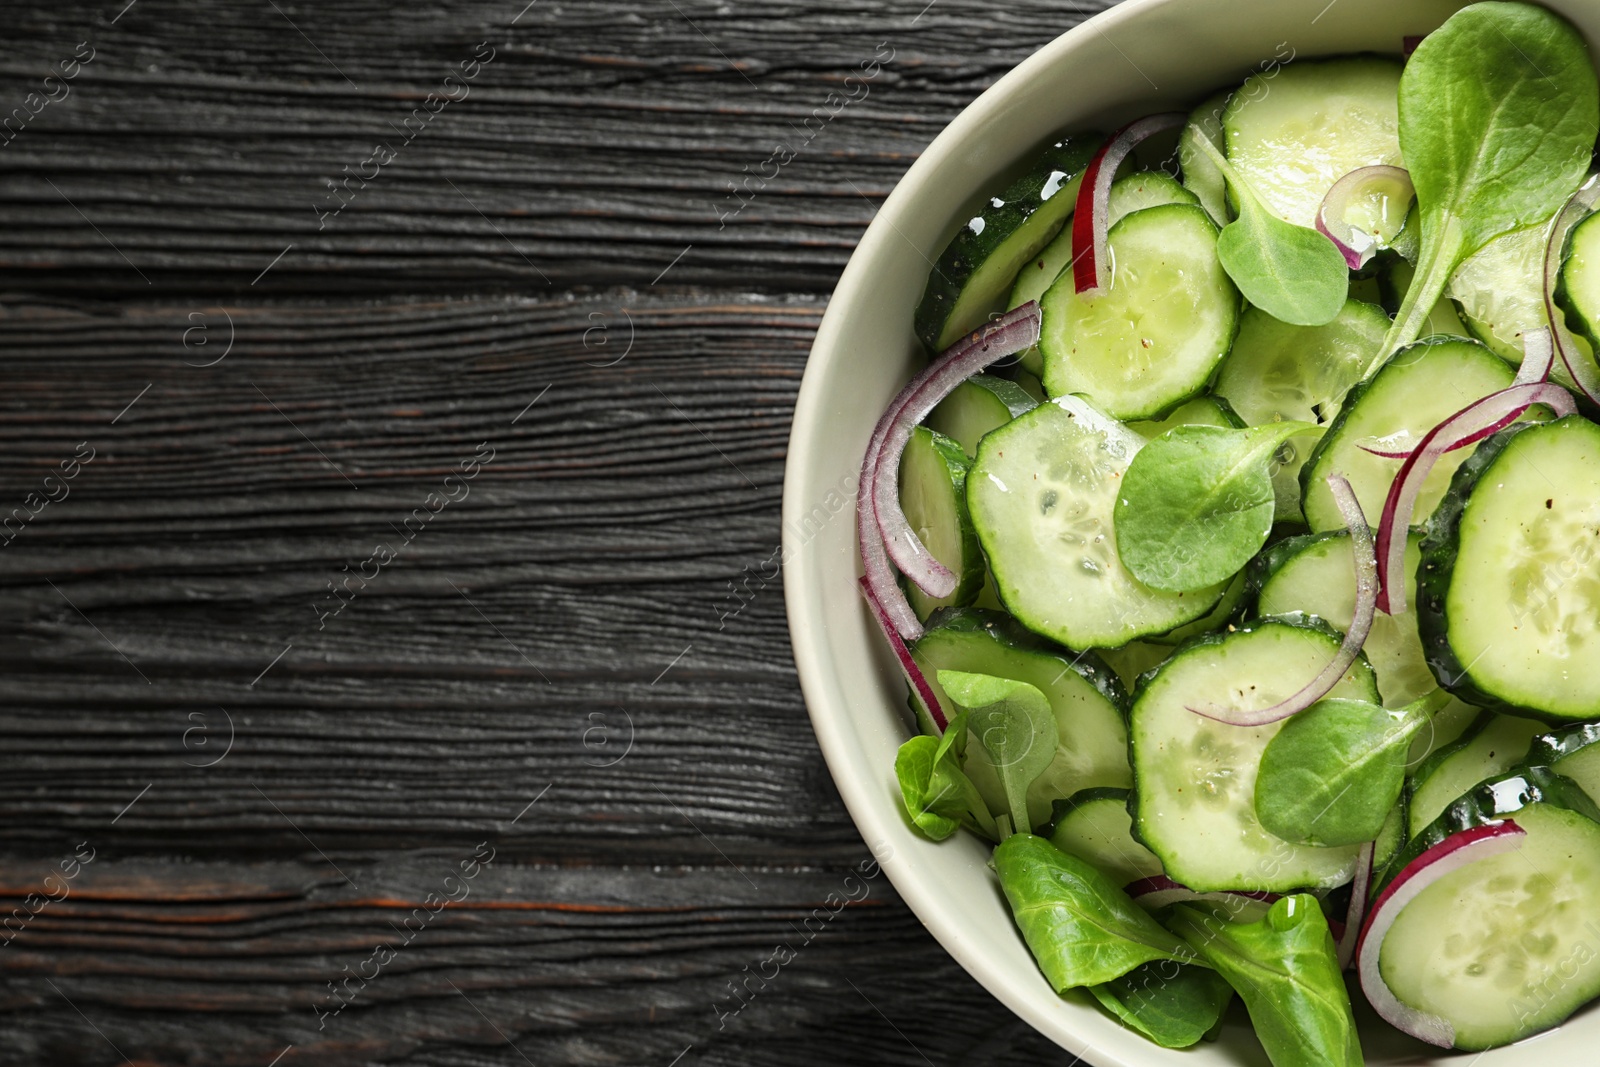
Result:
{"points": [[389, 674]]}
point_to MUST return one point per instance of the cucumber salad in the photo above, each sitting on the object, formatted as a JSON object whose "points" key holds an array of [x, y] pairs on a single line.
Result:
{"points": [[1240, 546]]}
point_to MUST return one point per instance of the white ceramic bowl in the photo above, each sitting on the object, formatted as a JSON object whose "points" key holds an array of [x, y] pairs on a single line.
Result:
{"points": [[1139, 57]]}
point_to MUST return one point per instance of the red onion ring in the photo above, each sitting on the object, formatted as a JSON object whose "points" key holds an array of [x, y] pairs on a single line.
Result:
{"points": [[1015, 331], [1090, 259], [1356, 246], [1360, 886], [1468, 426], [1366, 566], [908, 666], [883, 590], [1538, 359], [1577, 207], [1454, 852]]}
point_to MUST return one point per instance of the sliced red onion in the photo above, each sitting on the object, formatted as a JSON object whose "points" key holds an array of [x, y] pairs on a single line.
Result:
{"points": [[1451, 854], [1360, 625], [902, 654], [1090, 261], [1468, 426], [1358, 246], [1159, 891], [1015, 331], [1538, 358], [879, 578], [1577, 208], [1360, 886]]}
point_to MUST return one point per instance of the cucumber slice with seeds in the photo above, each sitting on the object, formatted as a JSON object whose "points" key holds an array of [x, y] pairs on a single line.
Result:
{"points": [[933, 494], [1295, 130], [1419, 387], [1195, 777], [1094, 825], [1153, 338], [976, 406], [1491, 746], [1277, 372], [979, 265], [1086, 697], [1042, 494], [1503, 947], [1509, 602]]}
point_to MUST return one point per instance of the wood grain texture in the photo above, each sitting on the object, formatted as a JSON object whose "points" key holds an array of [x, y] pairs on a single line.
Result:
{"points": [[570, 656]]}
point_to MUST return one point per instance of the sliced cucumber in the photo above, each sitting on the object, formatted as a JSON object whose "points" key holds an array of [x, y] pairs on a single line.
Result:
{"points": [[977, 406], [1147, 188], [1153, 337], [1491, 746], [1571, 752], [1200, 175], [1499, 292], [1316, 574], [1042, 494], [1226, 608], [1135, 659], [933, 494], [1391, 838], [1031, 384], [1195, 777], [1201, 411], [1579, 291], [1293, 131], [1086, 697], [1281, 372], [1130, 194], [1509, 606], [1503, 947], [979, 265], [1394, 278], [1419, 387], [1094, 825]]}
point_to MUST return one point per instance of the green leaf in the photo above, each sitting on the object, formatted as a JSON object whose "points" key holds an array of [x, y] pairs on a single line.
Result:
{"points": [[1197, 503], [1498, 113], [1081, 928], [1285, 969], [1293, 273], [1015, 724], [1173, 1005], [1333, 773], [937, 796]]}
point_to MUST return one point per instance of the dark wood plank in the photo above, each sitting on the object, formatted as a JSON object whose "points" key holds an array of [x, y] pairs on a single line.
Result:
{"points": [[572, 663]]}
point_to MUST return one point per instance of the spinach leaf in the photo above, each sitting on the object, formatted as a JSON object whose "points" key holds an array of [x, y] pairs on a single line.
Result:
{"points": [[1333, 773], [1173, 1005], [1293, 273], [1498, 113], [1081, 928], [1284, 968], [937, 796], [1197, 503], [1015, 724]]}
